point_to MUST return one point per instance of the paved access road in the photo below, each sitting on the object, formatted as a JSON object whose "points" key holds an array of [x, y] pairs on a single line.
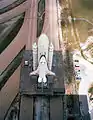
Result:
{"points": [[51, 23]]}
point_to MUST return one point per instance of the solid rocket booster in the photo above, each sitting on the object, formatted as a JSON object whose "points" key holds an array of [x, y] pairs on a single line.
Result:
{"points": [[34, 48], [50, 56]]}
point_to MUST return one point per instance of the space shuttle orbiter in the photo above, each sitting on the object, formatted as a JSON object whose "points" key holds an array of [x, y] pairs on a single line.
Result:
{"points": [[42, 58]]}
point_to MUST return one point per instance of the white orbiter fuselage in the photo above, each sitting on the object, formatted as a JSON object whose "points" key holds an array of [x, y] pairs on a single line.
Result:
{"points": [[45, 55]]}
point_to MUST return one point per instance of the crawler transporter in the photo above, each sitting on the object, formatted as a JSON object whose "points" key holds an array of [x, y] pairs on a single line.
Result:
{"points": [[42, 82]]}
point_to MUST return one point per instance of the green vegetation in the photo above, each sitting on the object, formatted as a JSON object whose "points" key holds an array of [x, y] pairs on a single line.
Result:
{"points": [[11, 6], [91, 89], [80, 11], [41, 16], [9, 34], [68, 67], [41, 6], [40, 26], [87, 4], [2, 27], [83, 9], [13, 108], [6, 74]]}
